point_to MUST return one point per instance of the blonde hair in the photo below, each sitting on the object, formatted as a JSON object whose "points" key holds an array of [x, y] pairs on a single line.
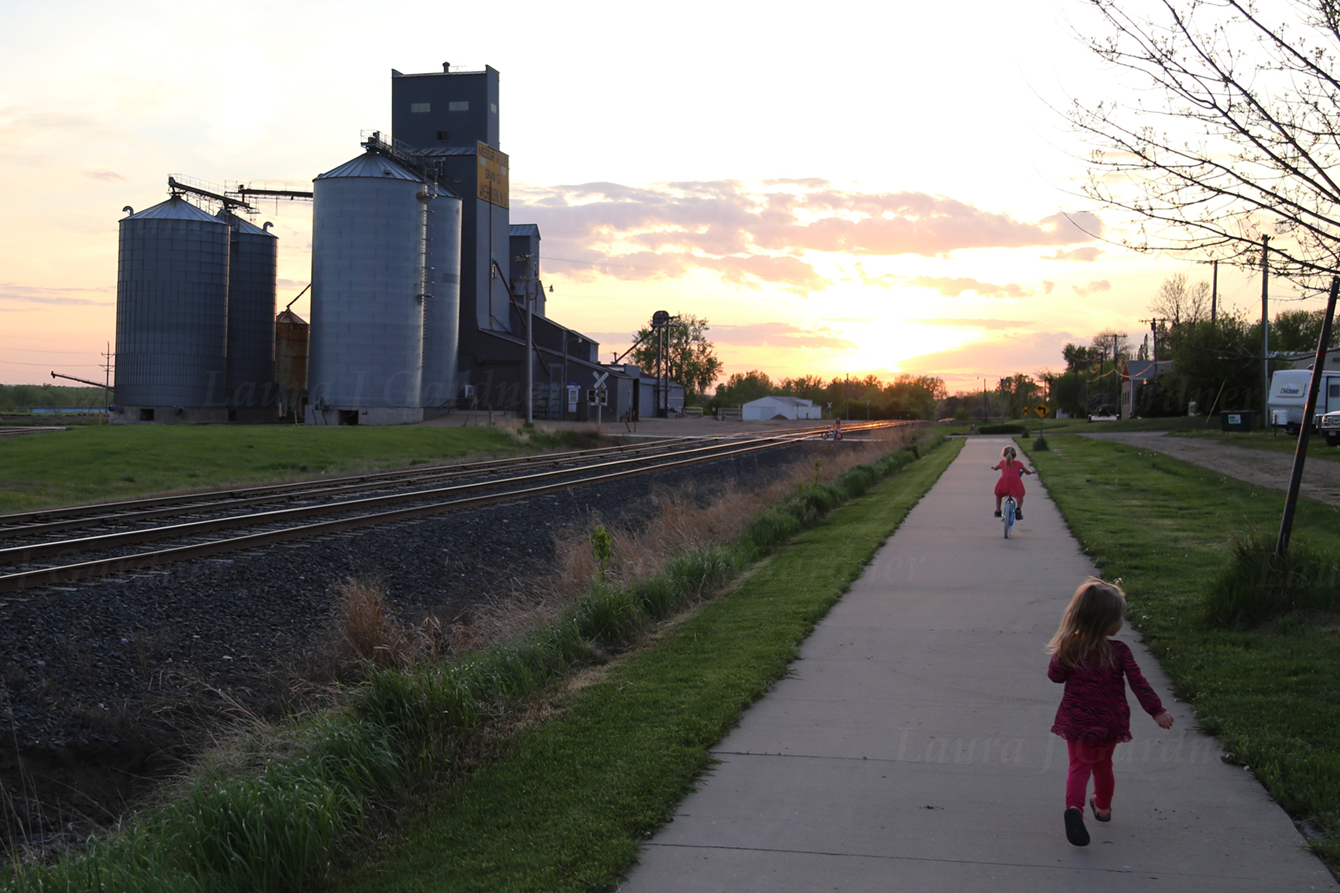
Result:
{"points": [[1008, 453], [1094, 609]]}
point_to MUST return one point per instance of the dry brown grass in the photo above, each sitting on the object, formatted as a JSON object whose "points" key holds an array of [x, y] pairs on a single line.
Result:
{"points": [[682, 522], [366, 633]]}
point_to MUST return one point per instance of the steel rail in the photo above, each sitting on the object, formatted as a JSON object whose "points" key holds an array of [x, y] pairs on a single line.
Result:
{"points": [[202, 499], [171, 506], [31, 551], [78, 572], [48, 521]]}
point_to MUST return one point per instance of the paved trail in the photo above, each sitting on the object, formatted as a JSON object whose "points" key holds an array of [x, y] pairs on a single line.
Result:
{"points": [[910, 749]]}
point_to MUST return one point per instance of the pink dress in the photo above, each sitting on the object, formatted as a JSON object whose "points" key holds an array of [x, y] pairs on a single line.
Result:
{"points": [[1093, 708], [1011, 481]]}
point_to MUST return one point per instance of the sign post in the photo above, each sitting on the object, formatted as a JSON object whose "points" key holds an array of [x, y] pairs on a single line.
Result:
{"points": [[1041, 409], [600, 394]]}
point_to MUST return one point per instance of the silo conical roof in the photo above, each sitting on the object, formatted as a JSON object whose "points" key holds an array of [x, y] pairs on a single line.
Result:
{"points": [[242, 225], [370, 164], [175, 208]]}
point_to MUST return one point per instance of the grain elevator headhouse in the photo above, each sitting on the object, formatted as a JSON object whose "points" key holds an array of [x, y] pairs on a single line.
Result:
{"points": [[451, 119]]}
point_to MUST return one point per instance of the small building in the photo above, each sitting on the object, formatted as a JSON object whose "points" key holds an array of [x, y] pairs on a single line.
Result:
{"points": [[781, 407], [1137, 374]]}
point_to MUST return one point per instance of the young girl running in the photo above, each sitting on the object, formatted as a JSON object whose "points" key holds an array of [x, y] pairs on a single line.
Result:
{"points": [[1093, 717], [1011, 481]]}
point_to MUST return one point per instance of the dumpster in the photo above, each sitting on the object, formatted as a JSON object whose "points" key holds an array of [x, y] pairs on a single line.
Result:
{"points": [[1238, 420]]}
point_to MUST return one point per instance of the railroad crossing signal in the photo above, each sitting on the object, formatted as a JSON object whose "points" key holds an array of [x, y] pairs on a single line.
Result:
{"points": [[1028, 410], [600, 378], [1041, 409]]}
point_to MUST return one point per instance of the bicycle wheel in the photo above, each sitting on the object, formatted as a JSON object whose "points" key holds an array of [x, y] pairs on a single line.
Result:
{"points": [[1008, 515]]}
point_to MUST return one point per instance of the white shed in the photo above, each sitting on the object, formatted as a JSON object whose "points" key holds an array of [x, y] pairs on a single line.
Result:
{"points": [[786, 407]]}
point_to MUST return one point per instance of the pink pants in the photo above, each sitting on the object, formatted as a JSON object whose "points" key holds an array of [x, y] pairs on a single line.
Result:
{"points": [[1086, 760]]}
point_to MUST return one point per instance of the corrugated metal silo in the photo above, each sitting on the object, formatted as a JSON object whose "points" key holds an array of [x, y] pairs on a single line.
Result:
{"points": [[368, 244], [291, 338], [442, 304], [172, 315], [251, 321]]}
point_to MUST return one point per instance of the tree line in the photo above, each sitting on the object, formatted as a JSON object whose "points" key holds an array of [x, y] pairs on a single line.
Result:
{"points": [[906, 397], [24, 397]]}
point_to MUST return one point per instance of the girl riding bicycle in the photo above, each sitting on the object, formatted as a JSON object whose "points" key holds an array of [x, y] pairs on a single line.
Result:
{"points": [[1011, 481]]}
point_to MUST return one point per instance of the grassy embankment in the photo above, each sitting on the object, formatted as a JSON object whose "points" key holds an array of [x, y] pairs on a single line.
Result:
{"points": [[565, 804], [1271, 694], [569, 803], [99, 464]]}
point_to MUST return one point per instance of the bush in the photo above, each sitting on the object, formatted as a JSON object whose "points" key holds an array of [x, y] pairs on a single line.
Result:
{"points": [[1040, 444], [1258, 586]]}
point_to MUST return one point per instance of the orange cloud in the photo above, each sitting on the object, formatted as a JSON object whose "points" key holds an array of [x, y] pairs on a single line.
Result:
{"points": [[751, 235]]}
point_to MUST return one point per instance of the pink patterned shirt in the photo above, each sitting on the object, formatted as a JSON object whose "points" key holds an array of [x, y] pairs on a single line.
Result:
{"points": [[1093, 708]]}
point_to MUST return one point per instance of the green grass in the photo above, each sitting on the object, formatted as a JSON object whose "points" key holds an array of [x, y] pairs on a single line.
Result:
{"points": [[1167, 530], [102, 463], [568, 804]]}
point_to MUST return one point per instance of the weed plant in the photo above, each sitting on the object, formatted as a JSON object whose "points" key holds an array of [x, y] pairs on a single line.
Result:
{"points": [[1257, 585], [275, 814]]}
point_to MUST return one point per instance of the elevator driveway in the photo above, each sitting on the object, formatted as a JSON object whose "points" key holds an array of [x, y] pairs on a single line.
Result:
{"points": [[910, 748]]}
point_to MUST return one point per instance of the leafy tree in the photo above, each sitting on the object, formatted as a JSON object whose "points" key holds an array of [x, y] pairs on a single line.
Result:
{"points": [[690, 357], [1236, 138], [1216, 366], [1296, 330], [912, 397], [743, 387]]}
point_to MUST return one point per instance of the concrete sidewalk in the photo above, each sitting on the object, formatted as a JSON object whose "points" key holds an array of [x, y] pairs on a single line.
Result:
{"points": [[911, 751]]}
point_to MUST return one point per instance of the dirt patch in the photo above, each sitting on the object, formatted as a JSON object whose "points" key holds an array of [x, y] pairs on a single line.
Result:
{"points": [[1321, 479]]}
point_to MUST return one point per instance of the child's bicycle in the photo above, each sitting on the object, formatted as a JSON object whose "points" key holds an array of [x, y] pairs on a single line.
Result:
{"points": [[1007, 510]]}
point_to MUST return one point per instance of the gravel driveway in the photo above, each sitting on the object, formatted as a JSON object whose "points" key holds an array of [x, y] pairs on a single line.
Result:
{"points": [[1321, 477]]}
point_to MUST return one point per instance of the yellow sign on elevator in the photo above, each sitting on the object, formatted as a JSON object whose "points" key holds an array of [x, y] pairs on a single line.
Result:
{"points": [[492, 173]]}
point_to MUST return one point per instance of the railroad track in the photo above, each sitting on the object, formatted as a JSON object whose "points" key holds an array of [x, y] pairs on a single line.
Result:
{"points": [[279, 525], [44, 522]]}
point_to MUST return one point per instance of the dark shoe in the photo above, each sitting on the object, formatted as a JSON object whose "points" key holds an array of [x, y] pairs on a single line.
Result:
{"points": [[997, 513], [1075, 832], [1018, 514], [1093, 804]]}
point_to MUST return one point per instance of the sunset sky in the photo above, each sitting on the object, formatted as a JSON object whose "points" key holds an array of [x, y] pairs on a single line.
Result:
{"points": [[851, 188]]}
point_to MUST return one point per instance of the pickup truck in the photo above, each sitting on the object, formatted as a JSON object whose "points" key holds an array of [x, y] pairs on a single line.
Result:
{"points": [[1328, 426]]}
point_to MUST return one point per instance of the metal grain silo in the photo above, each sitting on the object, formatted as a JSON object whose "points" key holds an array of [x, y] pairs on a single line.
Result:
{"points": [[291, 339], [172, 315], [442, 303], [368, 244], [251, 321]]}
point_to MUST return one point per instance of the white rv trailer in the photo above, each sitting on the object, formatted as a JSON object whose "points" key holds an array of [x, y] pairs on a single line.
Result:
{"points": [[1288, 397]]}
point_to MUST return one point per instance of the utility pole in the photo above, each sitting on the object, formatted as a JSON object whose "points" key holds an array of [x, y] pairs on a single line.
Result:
{"points": [[107, 385], [1214, 293], [1116, 373], [1265, 333]]}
